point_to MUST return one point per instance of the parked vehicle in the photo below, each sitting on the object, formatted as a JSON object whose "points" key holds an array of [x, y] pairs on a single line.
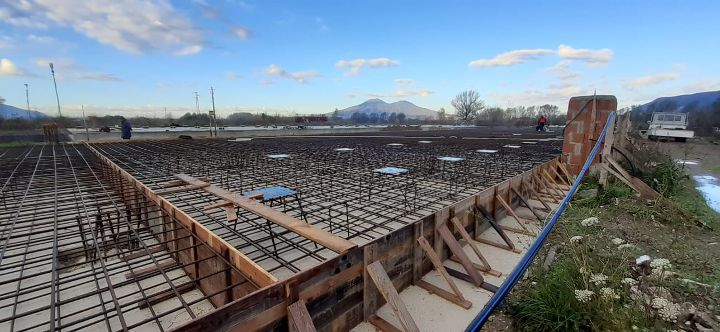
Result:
{"points": [[664, 126]]}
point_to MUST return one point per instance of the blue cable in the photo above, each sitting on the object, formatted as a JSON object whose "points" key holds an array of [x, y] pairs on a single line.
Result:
{"points": [[525, 262]]}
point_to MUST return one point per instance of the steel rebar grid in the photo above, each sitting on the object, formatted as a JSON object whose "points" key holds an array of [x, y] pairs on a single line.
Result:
{"points": [[64, 232], [338, 190]]}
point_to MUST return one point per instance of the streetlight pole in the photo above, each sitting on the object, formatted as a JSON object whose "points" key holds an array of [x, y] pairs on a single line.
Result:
{"points": [[27, 100], [57, 97], [213, 119]]}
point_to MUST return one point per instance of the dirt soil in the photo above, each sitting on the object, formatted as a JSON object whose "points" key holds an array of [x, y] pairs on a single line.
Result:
{"points": [[702, 151]]}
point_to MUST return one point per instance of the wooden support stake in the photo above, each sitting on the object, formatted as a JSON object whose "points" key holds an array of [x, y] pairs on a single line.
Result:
{"points": [[565, 171], [387, 289], [465, 236], [510, 211], [458, 251], [509, 245], [299, 317], [530, 207], [457, 297]]}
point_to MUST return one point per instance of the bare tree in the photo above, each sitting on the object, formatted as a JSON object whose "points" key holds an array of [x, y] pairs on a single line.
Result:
{"points": [[467, 104]]}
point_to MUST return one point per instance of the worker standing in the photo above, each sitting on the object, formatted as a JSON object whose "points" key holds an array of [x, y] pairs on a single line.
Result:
{"points": [[541, 124], [126, 129]]}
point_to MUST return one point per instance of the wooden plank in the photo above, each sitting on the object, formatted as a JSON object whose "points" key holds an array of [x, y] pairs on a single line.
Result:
{"points": [[299, 317], [370, 293], [180, 189], [530, 207], [462, 276], [217, 205], [465, 236], [318, 235], [141, 253], [386, 288], [565, 171], [134, 274], [457, 250], [245, 265], [382, 325], [511, 212], [166, 295], [432, 289], [231, 213], [508, 245], [482, 269], [437, 263]]}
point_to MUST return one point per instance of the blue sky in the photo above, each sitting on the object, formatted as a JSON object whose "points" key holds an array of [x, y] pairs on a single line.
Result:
{"points": [[136, 57]]}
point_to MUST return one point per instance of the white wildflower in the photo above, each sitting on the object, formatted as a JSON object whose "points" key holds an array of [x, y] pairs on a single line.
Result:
{"points": [[666, 310], [598, 279], [583, 270], [626, 246], [617, 241], [576, 239], [629, 281], [583, 295], [608, 293], [590, 221], [660, 263]]}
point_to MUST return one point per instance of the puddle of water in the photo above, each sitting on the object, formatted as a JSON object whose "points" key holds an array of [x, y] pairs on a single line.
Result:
{"points": [[709, 186]]}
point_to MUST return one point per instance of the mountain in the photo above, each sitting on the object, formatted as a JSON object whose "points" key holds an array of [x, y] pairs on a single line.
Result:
{"points": [[378, 106], [678, 103], [7, 112]]}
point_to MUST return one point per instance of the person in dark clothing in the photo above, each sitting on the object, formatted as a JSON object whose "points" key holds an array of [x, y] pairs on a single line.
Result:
{"points": [[126, 129], [541, 124]]}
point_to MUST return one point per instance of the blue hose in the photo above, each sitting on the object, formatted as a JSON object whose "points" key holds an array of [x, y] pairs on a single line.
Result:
{"points": [[525, 262]]}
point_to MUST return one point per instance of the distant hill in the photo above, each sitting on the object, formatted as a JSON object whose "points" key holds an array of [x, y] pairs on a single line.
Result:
{"points": [[7, 112], [678, 103], [379, 106]]}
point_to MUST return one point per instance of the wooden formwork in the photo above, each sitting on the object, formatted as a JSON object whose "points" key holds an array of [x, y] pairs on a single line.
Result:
{"points": [[338, 293]]}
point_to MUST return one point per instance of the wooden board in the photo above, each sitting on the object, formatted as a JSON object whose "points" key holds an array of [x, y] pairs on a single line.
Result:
{"points": [[458, 251], [318, 235], [299, 317], [386, 288], [457, 297]]}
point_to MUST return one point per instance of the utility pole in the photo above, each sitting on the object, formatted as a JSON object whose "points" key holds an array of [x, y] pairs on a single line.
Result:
{"points": [[27, 100], [197, 103], [213, 119], [87, 132], [57, 97]]}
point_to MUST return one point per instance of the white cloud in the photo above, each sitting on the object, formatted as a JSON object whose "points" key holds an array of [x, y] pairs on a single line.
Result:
{"points": [[355, 66], [133, 26], [404, 81], [40, 39], [66, 69], [654, 79], [300, 76], [562, 71], [402, 94], [190, 50], [590, 57], [8, 68], [510, 58], [242, 32]]}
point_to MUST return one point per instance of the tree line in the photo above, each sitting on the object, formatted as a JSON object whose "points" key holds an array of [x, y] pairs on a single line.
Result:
{"points": [[470, 109]]}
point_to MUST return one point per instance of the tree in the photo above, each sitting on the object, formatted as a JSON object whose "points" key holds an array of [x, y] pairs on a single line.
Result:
{"points": [[401, 117], [467, 104], [442, 116]]}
